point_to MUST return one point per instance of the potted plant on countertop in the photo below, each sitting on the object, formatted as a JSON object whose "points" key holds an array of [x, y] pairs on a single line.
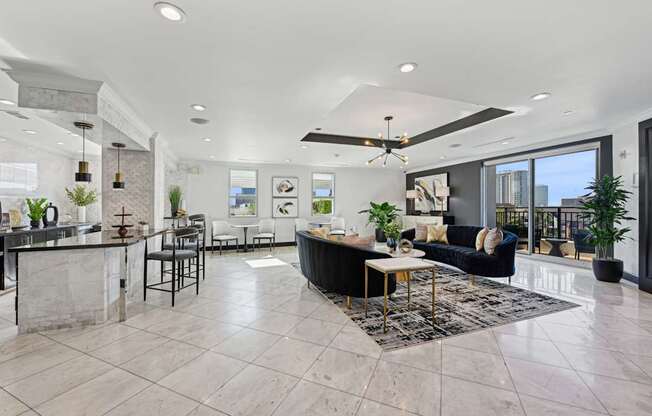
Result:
{"points": [[174, 195], [393, 233], [36, 210], [605, 210], [380, 215], [81, 197]]}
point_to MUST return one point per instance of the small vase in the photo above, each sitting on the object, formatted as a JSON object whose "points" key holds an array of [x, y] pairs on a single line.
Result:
{"points": [[35, 223], [81, 214], [173, 211], [391, 243]]}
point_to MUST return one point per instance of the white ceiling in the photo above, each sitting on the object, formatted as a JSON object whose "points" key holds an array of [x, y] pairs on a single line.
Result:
{"points": [[271, 71]]}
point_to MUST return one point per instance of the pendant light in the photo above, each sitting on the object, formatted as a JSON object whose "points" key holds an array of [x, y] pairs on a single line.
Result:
{"points": [[83, 175], [118, 182]]}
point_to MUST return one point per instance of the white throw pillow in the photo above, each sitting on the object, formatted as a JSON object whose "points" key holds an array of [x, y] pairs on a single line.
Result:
{"points": [[491, 241]]}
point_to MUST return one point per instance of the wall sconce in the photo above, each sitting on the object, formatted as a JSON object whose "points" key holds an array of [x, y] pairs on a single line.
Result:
{"points": [[441, 193]]}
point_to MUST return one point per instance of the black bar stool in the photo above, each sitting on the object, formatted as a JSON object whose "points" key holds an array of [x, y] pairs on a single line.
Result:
{"points": [[199, 221], [176, 255]]}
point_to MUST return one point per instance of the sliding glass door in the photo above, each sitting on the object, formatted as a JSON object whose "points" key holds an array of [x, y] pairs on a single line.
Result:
{"points": [[537, 196]]}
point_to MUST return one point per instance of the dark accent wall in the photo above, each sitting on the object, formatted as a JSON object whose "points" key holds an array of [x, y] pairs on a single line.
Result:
{"points": [[464, 181]]}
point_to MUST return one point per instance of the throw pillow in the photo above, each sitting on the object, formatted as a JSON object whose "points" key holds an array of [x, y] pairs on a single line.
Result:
{"points": [[319, 232], [437, 234], [491, 241], [479, 239], [421, 232]]}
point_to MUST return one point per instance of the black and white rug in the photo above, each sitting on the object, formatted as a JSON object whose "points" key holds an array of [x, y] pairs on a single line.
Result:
{"points": [[461, 306]]}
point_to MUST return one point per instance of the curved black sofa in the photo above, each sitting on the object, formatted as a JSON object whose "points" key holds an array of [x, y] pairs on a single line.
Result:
{"points": [[460, 252], [339, 268]]}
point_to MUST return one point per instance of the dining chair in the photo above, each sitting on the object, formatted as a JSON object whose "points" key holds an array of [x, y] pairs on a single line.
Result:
{"points": [[266, 231], [221, 232]]}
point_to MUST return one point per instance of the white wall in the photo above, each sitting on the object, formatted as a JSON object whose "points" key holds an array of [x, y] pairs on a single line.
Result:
{"points": [[55, 173], [207, 191]]}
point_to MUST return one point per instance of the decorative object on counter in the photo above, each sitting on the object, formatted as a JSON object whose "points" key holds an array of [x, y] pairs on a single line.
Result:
{"points": [[15, 219], [426, 200], [393, 233], [83, 174], [118, 182], [5, 221], [81, 197], [380, 215], [67, 219], [405, 246], [123, 229], [36, 210], [174, 195], [605, 209], [55, 217], [285, 186]]}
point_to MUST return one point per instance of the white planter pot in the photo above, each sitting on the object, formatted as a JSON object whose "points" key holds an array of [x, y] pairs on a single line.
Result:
{"points": [[81, 214]]}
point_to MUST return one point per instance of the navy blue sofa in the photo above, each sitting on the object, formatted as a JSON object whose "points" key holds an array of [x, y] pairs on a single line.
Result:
{"points": [[460, 252]]}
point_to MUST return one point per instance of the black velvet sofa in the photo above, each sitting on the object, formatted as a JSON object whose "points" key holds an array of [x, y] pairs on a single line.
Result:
{"points": [[339, 268], [460, 252]]}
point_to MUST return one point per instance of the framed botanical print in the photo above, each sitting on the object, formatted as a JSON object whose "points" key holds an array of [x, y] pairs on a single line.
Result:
{"points": [[285, 187], [285, 207]]}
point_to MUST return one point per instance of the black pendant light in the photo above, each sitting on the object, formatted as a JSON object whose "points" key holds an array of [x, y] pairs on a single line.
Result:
{"points": [[118, 183], [83, 175]]}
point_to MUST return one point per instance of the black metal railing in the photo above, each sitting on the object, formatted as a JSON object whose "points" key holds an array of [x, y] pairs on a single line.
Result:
{"points": [[549, 222]]}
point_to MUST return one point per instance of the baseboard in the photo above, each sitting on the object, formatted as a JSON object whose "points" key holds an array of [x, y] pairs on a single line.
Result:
{"points": [[250, 246]]}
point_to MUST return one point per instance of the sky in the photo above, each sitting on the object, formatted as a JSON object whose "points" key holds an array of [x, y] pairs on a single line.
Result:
{"points": [[565, 175]]}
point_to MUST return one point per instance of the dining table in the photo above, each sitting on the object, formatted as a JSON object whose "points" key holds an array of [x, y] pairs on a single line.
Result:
{"points": [[244, 228]]}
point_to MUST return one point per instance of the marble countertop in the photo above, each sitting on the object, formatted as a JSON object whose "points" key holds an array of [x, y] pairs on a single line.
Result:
{"points": [[100, 239], [26, 230]]}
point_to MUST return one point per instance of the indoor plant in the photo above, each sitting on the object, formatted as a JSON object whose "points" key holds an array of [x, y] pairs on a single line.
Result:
{"points": [[393, 233], [174, 195], [36, 210], [81, 197], [604, 208], [380, 215]]}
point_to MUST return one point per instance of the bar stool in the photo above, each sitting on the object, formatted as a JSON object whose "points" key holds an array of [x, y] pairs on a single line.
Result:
{"points": [[175, 256], [266, 231], [198, 221]]}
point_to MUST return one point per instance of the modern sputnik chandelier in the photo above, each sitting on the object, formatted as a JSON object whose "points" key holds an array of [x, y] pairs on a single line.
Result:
{"points": [[389, 150]]}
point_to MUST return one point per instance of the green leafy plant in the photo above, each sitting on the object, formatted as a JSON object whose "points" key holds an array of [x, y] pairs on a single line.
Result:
{"points": [[174, 195], [381, 214], [36, 208], [81, 196], [604, 208], [392, 230]]}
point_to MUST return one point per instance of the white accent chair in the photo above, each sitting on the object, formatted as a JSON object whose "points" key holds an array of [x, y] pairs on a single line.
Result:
{"points": [[220, 231], [300, 224], [266, 231], [338, 226]]}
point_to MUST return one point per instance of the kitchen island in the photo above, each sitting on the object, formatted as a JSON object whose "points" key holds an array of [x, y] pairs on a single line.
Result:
{"points": [[81, 280]]}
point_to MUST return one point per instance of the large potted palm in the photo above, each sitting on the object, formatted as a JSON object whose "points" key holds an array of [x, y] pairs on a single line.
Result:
{"points": [[380, 215], [604, 208]]}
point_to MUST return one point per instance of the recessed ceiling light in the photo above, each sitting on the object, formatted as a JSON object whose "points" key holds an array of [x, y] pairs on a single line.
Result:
{"points": [[199, 120], [317, 128], [170, 12], [6, 101], [407, 67], [288, 160], [29, 131], [442, 157], [60, 143], [505, 142], [198, 107], [212, 157], [207, 140], [2, 139], [540, 96], [568, 112], [303, 146], [73, 134]]}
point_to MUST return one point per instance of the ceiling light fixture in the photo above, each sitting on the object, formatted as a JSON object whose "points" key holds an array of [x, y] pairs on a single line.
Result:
{"points": [[83, 175], [60, 143], [540, 96], [303, 146], [118, 182], [198, 107], [211, 156], [6, 101], [207, 140], [29, 132], [170, 12], [568, 112], [387, 151], [407, 67]]}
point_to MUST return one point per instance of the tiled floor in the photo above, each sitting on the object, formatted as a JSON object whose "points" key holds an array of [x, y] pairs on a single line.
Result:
{"points": [[258, 342]]}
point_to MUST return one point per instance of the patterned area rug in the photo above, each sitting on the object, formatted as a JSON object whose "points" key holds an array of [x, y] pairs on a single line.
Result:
{"points": [[461, 306]]}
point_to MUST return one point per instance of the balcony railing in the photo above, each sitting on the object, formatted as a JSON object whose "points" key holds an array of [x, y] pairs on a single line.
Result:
{"points": [[549, 222]]}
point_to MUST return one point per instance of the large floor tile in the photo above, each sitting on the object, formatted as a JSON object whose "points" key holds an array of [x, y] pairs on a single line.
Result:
{"points": [[315, 331], [290, 356], [33, 362], [342, 370], [155, 401], [298, 307], [201, 377], [425, 356], [371, 408], [529, 328], [247, 344], [603, 362], [9, 406], [621, 398], [405, 387], [531, 349], [54, 381], [21, 344], [95, 397], [552, 383], [313, 399], [354, 339], [150, 317], [539, 407], [483, 341], [276, 322], [161, 361], [255, 391], [476, 366], [461, 397], [129, 347], [202, 410], [98, 338], [330, 313], [574, 335]]}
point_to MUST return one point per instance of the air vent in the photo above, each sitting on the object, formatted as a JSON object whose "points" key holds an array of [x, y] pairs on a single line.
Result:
{"points": [[198, 120], [16, 114]]}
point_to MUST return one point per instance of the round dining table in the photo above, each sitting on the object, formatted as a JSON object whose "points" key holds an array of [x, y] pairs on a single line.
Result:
{"points": [[244, 228]]}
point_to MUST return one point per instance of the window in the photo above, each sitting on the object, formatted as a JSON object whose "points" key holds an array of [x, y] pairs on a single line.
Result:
{"points": [[243, 196], [18, 178], [323, 193]]}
